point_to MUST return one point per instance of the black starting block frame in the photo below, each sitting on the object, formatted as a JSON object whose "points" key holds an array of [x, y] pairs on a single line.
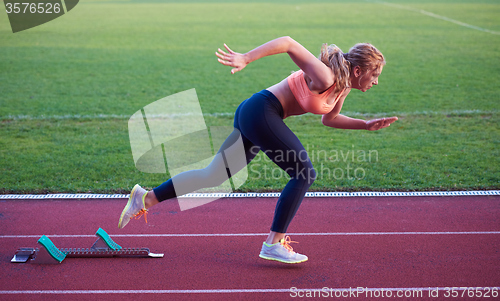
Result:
{"points": [[103, 247]]}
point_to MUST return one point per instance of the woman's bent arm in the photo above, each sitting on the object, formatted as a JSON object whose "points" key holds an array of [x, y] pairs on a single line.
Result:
{"points": [[320, 74]]}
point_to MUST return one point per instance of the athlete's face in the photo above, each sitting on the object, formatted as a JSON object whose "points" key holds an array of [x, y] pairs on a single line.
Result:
{"points": [[363, 81]]}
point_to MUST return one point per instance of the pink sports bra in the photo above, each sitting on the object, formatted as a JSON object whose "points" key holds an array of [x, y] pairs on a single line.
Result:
{"points": [[309, 101]]}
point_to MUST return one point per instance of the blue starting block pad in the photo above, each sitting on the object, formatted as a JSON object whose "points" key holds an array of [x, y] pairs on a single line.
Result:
{"points": [[104, 241], [50, 249]]}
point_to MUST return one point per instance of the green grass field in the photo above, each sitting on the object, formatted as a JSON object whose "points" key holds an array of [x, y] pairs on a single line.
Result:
{"points": [[68, 88]]}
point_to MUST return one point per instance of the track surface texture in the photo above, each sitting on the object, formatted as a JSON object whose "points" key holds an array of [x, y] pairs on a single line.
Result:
{"points": [[391, 245]]}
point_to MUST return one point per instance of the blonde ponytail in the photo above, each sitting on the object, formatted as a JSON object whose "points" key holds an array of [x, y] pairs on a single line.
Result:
{"points": [[333, 57], [364, 55]]}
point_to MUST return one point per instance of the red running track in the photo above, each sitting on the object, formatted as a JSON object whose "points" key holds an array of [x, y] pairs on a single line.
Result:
{"points": [[382, 243]]}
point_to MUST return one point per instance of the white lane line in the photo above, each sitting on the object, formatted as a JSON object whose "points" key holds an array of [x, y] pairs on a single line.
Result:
{"points": [[206, 291], [80, 196], [261, 234], [353, 291], [231, 114], [424, 12], [101, 116]]}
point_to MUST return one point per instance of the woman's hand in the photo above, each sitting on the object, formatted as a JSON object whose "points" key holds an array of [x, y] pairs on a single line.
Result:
{"points": [[232, 59], [380, 123]]}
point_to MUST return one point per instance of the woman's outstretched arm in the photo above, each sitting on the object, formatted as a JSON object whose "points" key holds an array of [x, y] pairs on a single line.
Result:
{"points": [[348, 123], [320, 74]]}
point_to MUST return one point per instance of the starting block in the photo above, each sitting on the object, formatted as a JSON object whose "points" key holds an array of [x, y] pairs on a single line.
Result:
{"points": [[104, 246]]}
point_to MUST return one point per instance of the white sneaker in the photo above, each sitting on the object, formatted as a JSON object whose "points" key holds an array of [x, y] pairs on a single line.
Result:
{"points": [[282, 252], [135, 206]]}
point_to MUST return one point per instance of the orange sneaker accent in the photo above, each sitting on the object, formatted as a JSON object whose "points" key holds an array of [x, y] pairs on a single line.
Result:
{"points": [[285, 242], [143, 212]]}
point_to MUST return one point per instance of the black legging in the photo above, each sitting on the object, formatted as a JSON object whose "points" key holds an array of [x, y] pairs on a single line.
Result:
{"points": [[259, 121]]}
